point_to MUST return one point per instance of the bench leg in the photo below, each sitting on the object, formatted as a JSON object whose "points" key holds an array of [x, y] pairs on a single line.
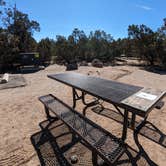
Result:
{"points": [[49, 117], [94, 158], [73, 135]]}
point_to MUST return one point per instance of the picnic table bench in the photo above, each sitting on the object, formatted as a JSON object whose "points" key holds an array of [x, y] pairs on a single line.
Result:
{"points": [[97, 139]]}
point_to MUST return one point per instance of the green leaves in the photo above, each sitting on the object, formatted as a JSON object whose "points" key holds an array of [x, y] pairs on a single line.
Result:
{"points": [[79, 47], [148, 45], [16, 33]]}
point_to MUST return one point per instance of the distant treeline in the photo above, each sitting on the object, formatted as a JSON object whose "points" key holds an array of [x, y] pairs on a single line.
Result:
{"points": [[16, 35]]}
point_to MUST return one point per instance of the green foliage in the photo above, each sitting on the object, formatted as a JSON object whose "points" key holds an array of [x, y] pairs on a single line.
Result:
{"points": [[46, 49], [79, 47], [8, 47], [100, 46], [21, 26], [15, 34], [148, 45], [73, 48], [144, 40], [61, 49]]}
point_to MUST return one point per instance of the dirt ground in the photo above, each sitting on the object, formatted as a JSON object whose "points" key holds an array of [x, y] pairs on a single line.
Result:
{"points": [[21, 112]]}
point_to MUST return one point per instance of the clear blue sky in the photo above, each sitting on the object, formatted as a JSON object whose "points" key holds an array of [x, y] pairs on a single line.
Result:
{"points": [[60, 17]]}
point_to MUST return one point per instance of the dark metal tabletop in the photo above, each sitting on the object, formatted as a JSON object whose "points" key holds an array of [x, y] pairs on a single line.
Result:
{"points": [[134, 98]]}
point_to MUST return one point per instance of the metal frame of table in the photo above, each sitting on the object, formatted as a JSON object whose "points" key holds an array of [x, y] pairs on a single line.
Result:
{"points": [[76, 97], [107, 90]]}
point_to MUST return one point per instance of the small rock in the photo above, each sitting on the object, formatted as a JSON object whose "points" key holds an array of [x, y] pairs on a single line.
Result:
{"points": [[71, 66], [74, 159], [97, 63]]}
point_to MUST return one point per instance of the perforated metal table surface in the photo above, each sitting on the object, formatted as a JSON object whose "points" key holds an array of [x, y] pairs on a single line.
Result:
{"points": [[123, 95]]}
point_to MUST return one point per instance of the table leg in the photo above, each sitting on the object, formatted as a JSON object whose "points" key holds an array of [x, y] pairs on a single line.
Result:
{"points": [[83, 98], [93, 103], [140, 147], [77, 97], [118, 110], [125, 125], [88, 103], [133, 121], [74, 97]]}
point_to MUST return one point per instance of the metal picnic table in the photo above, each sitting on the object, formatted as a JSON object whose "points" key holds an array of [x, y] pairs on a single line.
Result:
{"points": [[135, 99]]}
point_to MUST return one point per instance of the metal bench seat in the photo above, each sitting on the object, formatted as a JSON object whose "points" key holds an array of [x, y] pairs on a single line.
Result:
{"points": [[100, 141]]}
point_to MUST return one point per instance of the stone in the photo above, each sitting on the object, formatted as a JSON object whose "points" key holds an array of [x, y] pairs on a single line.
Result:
{"points": [[97, 63], [74, 159], [71, 66]]}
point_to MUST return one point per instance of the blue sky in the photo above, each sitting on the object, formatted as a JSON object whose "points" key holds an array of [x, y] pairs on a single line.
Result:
{"points": [[60, 17]]}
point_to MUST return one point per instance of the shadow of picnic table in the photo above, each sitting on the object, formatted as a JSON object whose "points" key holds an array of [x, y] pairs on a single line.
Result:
{"points": [[55, 146], [149, 130]]}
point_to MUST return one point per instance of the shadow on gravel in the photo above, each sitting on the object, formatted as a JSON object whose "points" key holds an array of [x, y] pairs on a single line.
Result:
{"points": [[55, 146]]}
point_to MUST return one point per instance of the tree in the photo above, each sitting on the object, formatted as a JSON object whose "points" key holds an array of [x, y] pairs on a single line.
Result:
{"points": [[8, 43], [99, 46], [21, 26], [162, 44], [8, 49], [71, 49], [61, 50], [145, 41], [16, 33], [77, 41], [46, 49]]}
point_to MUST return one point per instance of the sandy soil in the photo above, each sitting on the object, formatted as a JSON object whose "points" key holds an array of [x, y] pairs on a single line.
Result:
{"points": [[21, 112]]}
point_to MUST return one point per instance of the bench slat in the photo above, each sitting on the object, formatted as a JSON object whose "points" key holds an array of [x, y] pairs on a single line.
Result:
{"points": [[104, 143]]}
